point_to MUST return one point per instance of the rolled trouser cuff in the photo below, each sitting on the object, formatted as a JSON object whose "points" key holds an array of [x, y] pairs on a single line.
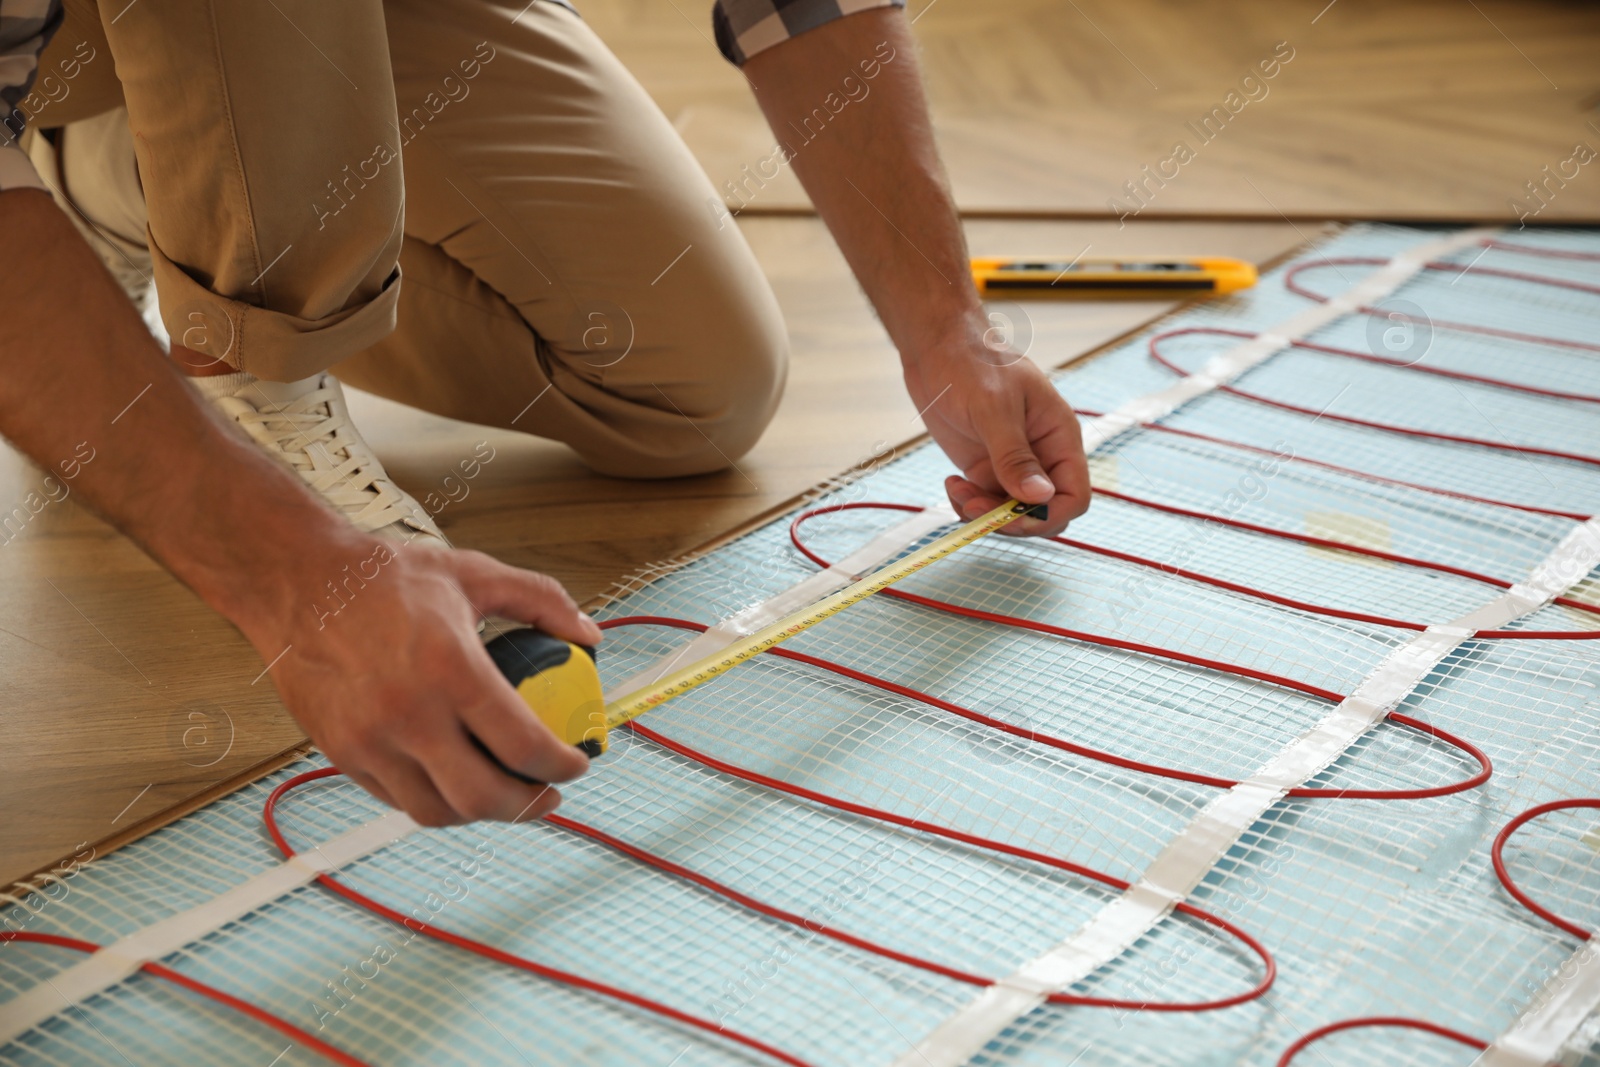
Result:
{"points": [[269, 344]]}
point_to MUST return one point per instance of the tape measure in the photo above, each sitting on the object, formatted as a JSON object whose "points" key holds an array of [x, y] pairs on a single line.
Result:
{"points": [[1100, 277], [558, 680]]}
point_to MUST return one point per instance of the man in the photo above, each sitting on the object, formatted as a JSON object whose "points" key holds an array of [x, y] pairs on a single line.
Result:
{"points": [[277, 168]]}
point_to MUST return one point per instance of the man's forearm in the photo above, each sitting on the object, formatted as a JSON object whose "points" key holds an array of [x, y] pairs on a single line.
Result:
{"points": [[80, 366], [847, 99], [873, 171]]}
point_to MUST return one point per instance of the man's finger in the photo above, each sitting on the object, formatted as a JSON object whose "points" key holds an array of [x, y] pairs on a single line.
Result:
{"points": [[536, 599], [370, 784], [965, 497], [1058, 442], [1011, 455], [972, 501], [516, 737], [413, 792], [476, 788], [970, 496]]}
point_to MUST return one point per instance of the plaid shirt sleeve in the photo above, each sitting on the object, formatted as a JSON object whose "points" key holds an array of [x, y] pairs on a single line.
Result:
{"points": [[25, 27], [745, 27]]}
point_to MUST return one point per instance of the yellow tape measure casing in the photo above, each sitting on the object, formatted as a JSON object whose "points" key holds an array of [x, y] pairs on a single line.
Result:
{"points": [[558, 681]]}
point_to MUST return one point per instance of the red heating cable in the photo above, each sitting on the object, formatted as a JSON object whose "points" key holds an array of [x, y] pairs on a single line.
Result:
{"points": [[1496, 854], [1438, 265], [1398, 364], [1378, 1020], [657, 862], [260, 1015], [361, 900], [949, 833], [1223, 583], [662, 864], [1511, 887], [764, 780], [1464, 327], [1485, 768], [1361, 550], [1530, 250], [1352, 471], [1371, 424], [1535, 338]]}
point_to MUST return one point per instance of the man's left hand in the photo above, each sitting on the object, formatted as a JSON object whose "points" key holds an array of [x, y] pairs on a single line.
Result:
{"points": [[1000, 421]]}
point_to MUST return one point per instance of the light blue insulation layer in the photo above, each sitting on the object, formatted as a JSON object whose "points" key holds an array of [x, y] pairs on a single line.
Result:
{"points": [[1370, 907]]}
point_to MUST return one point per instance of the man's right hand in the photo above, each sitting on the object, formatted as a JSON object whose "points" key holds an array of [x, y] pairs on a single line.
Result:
{"points": [[390, 679]]}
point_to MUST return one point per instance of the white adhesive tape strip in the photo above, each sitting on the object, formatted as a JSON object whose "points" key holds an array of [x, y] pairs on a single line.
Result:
{"points": [[880, 549], [1192, 854], [1545, 1030], [123, 957], [1225, 368], [1566, 566]]}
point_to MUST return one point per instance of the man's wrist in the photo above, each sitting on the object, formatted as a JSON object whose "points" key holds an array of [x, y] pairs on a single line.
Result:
{"points": [[272, 582], [956, 330], [263, 547]]}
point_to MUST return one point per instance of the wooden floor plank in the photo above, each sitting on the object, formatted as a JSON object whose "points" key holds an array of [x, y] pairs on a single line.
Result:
{"points": [[1419, 109]]}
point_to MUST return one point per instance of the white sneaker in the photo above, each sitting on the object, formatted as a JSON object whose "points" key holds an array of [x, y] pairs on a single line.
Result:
{"points": [[306, 426]]}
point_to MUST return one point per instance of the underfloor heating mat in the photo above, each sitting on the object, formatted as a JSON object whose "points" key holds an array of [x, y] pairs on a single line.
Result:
{"points": [[1287, 752]]}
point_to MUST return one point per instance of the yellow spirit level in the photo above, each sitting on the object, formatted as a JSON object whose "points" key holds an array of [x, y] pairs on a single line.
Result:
{"points": [[1100, 278]]}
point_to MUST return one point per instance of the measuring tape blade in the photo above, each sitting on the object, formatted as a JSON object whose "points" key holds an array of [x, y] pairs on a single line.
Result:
{"points": [[681, 681]]}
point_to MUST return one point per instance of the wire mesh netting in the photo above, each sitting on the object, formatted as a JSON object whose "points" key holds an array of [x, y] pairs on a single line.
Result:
{"points": [[1370, 906]]}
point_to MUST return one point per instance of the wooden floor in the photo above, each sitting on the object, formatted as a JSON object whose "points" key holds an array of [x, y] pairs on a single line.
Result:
{"points": [[126, 700], [1425, 109]]}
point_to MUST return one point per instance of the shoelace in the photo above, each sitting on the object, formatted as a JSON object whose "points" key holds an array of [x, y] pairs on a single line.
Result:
{"points": [[315, 437]]}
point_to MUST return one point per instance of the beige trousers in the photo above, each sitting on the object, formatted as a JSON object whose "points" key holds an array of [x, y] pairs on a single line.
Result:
{"points": [[463, 205]]}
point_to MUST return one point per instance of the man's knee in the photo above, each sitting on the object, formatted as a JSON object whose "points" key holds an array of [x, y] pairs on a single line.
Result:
{"points": [[712, 407]]}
